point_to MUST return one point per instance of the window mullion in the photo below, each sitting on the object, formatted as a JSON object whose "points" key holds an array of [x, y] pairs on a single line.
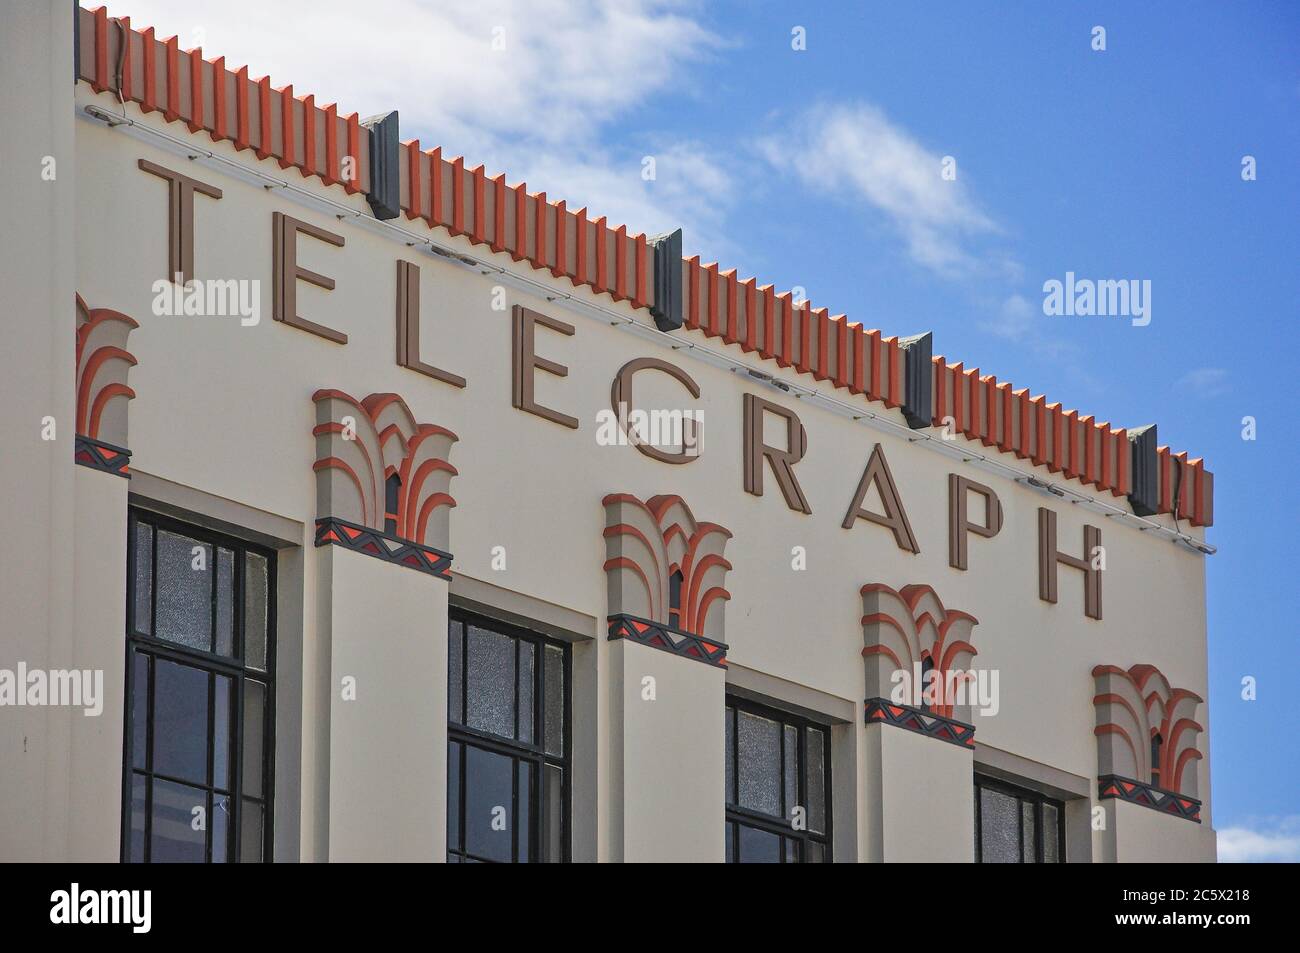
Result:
{"points": [[237, 771], [153, 579], [212, 755], [148, 755]]}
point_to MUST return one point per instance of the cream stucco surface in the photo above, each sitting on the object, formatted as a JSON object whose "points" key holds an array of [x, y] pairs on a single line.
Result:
{"points": [[227, 409], [388, 721]]}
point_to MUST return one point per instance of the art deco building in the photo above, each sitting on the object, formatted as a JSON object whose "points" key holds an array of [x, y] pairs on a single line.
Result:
{"points": [[313, 448]]}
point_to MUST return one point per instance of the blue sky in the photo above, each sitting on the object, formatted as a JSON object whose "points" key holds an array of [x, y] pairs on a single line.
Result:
{"points": [[814, 168]]}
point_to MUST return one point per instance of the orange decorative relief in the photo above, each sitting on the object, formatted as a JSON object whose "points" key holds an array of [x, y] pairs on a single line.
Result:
{"points": [[666, 575], [909, 631], [1148, 739], [103, 363], [383, 480]]}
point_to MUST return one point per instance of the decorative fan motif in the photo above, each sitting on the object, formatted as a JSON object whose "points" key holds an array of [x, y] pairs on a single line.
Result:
{"points": [[1146, 730], [910, 631], [663, 566], [378, 468], [102, 366]]}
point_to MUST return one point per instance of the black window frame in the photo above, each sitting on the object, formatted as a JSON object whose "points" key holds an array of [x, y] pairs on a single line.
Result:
{"points": [[736, 816], [535, 753], [233, 667], [1023, 795]]}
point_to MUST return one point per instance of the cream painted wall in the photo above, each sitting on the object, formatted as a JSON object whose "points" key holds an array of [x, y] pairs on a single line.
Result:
{"points": [[228, 409], [388, 739], [924, 796], [1137, 834], [37, 272], [669, 751], [94, 820]]}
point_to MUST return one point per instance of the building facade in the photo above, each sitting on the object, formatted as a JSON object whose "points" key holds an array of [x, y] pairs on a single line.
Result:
{"points": [[411, 515]]}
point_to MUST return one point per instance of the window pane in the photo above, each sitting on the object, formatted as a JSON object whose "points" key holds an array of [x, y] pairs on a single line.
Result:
{"points": [[791, 850], [511, 806], [816, 853], [1051, 834], [554, 688], [816, 780], [526, 692], [184, 591], [180, 735], [999, 827], [453, 796], [220, 828], [250, 833], [225, 602], [490, 701], [731, 755], [143, 575], [455, 672], [790, 769], [173, 836], [188, 722], [139, 709], [523, 810], [254, 726], [489, 793], [553, 815], [138, 786], [1028, 849], [759, 766], [759, 847], [255, 610], [222, 731]]}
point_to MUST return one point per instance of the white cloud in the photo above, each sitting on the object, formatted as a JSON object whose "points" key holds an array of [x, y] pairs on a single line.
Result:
{"points": [[565, 65], [1205, 381], [855, 148], [1268, 839], [691, 190], [1015, 319], [536, 109], [1020, 320]]}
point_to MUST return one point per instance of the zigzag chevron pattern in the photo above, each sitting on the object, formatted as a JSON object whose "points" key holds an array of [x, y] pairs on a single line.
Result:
{"points": [[1135, 792], [371, 542], [102, 456], [883, 711], [664, 637]]}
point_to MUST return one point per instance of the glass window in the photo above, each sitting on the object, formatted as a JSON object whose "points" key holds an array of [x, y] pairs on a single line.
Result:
{"points": [[200, 693], [508, 746], [778, 786], [1014, 825]]}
